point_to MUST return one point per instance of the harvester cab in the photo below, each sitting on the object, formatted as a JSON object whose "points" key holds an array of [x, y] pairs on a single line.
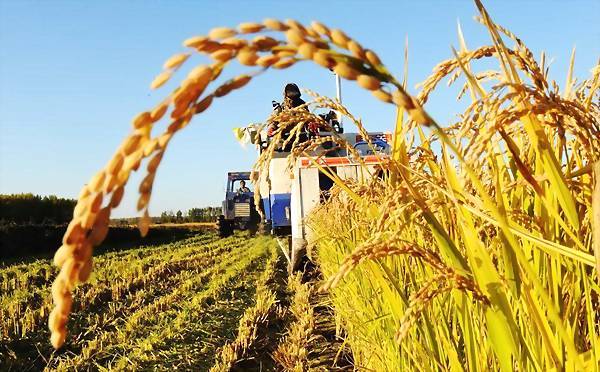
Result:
{"points": [[238, 210]]}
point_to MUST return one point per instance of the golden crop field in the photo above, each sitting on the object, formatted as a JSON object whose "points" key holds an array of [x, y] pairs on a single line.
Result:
{"points": [[138, 300], [475, 247], [201, 303]]}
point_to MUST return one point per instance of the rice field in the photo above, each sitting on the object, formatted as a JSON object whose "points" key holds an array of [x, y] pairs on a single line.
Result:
{"points": [[477, 248], [201, 303], [165, 306]]}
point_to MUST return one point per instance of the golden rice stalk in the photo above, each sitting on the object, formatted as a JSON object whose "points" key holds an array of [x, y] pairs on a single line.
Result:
{"points": [[373, 58], [234, 43], [85, 272], [345, 71], [382, 95], [161, 79], [356, 49], [267, 60], [275, 25], [340, 38], [247, 57], [203, 105], [295, 25], [159, 111], [95, 202], [418, 301], [264, 43], [295, 37], [115, 164], [284, 63], [287, 51], [320, 28], [143, 119], [176, 60], [307, 50], [208, 46], [368, 82], [62, 254], [97, 181], [195, 41], [117, 196], [222, 55], [201, 76], [323, 59], [250, 27], [144, 223], [74, 233], [239, 81], [222, 33]]}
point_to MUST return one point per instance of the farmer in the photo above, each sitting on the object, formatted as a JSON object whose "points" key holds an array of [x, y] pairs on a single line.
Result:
{"points": [[243, 187], [291, 96], [291, 99]]}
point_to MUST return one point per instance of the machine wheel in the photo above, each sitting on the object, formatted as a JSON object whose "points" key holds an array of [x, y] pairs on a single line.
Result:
{"points": [[298, 256], [252, 228], [224, 227]]}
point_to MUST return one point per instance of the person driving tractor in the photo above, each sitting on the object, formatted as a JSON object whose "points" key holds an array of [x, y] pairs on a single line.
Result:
{"points": [[243, 187]]}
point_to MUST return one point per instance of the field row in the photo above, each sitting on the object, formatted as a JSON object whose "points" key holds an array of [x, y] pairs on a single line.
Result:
{"points": [[169, 305], [26, 299]]}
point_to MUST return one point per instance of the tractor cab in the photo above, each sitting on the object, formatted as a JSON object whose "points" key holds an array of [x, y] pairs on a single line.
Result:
{"points": [[238, 211]]}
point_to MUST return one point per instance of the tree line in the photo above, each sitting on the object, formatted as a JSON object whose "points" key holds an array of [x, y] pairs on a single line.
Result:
{"points": [[206, 214], [30, 209], [35, 209]]}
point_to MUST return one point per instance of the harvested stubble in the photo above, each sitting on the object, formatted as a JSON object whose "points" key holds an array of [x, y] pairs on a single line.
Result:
{"points": [[24, 310], [153, 319], [292, 352], [254, 319], [509, 218], [196, 317], [125, 289]]}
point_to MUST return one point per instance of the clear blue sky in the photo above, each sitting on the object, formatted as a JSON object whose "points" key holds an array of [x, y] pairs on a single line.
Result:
{"points": [[74, 73]]}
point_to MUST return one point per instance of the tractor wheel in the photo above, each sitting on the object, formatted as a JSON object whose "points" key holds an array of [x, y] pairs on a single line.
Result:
{"points": [[224, 227], [252, 229]]}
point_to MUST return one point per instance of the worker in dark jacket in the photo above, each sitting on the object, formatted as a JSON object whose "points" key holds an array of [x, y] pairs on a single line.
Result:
{"points": [[291, 99]]}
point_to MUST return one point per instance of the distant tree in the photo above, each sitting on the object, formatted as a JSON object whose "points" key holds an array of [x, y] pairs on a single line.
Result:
{"points": [[206, 214], [34, 209], [196, 215]]}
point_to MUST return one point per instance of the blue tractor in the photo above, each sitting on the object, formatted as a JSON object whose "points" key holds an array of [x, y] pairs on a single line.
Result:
{"points": [[238, 210]]}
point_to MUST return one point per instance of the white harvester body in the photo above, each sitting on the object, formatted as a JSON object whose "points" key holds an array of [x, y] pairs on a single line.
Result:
{"points": [[288, 196], [309, 187]]}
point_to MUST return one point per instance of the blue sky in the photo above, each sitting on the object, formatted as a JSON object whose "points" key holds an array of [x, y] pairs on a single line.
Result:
{"points": [[74, 73]]}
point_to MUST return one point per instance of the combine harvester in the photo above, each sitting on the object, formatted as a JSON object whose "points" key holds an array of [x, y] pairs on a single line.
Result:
{"points": [[287, 198]]}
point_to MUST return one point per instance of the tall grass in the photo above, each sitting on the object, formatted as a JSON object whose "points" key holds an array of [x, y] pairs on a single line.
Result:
{"points": [[475, 252]]}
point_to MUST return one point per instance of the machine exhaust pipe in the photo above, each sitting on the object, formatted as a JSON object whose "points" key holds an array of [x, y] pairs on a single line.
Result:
{"points": [[338, 95]]}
